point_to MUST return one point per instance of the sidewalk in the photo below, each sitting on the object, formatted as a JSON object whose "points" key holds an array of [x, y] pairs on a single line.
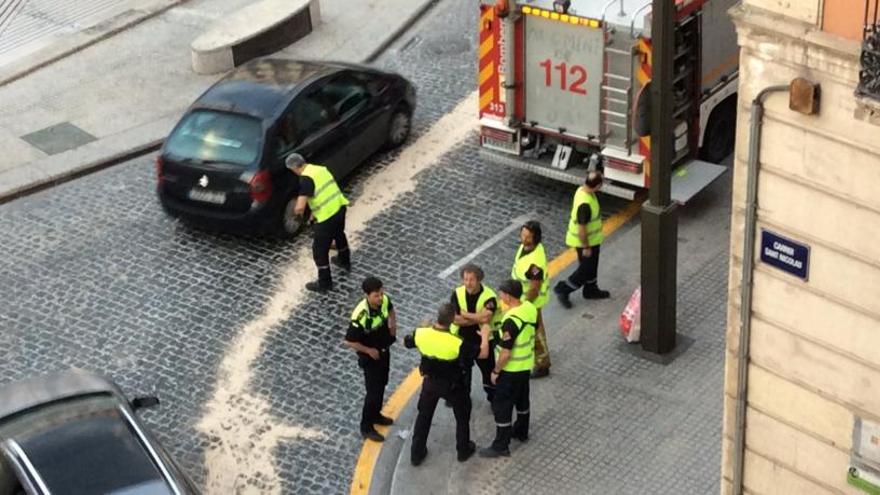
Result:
{"points": [[124, 93], [605, 421]]}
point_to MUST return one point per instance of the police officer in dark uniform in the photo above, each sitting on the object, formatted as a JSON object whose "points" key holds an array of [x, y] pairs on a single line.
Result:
{"points": [[444, 357], [370, 333]]}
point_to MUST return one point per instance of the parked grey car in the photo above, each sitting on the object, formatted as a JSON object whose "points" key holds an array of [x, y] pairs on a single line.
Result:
{"points": [[76, 433]]}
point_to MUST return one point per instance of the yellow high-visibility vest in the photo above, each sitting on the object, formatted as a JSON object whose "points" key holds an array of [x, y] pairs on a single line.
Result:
{"points": [[521, 266], [522, 355], [361, 314], [594, 226], [488, 293], [437, 344], [328, 198]]}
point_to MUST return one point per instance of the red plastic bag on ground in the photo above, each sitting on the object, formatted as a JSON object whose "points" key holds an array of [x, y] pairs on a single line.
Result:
{"points": [[630, 319]]}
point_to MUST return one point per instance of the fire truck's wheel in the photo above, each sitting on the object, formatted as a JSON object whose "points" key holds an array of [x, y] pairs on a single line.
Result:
{"points": [[720, 132], [398, 127]]}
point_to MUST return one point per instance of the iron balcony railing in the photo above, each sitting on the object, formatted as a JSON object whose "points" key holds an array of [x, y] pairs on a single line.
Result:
{"points": [[869, 74]]}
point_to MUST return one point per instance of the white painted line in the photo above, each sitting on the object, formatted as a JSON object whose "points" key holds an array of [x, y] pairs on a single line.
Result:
{"points": [[516, 223]]}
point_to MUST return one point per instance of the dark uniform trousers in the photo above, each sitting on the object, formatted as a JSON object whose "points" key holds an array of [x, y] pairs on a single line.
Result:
{"points": [[586, 273], [434, 389], [375, 379], [486, 366], [332, 229], [511, 392]]}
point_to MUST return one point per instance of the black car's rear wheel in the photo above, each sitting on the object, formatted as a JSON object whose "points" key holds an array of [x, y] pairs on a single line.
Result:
{"points": [[399, 127], [290, 224]]}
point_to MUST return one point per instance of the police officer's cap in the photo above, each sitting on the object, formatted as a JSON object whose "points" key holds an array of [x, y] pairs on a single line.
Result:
{"points": [[294, 160]]}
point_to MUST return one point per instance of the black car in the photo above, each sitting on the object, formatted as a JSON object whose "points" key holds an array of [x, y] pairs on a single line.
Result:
{"points": [[223, 164], [76, 433]]}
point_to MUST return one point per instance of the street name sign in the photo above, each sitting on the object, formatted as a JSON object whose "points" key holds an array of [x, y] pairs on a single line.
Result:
{"points": [[785, 254]]}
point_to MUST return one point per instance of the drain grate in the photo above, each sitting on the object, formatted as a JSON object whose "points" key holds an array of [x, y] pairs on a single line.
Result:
{"points": [[58, 138]]}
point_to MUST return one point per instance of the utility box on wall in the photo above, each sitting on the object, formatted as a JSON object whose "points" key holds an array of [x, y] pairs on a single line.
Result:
{"points": [[864, 470]]}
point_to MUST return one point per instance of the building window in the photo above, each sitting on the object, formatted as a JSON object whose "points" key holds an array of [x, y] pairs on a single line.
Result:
{"points": [[869, 73]]}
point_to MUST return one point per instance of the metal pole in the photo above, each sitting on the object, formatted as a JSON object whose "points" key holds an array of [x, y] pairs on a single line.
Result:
{"points": [[745, 303], [659, 217]]}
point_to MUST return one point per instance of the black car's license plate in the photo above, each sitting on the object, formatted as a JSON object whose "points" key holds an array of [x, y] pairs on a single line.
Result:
{"points": [[217, 198]]}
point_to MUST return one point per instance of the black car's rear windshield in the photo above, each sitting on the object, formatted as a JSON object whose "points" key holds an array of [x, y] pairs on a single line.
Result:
{"points": [[93, 452], [212, 136]]}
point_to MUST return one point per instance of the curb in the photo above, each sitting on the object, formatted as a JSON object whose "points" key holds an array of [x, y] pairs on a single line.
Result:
{"points": [[393, 447], [85, 169], [404, 27], [57, 51]]}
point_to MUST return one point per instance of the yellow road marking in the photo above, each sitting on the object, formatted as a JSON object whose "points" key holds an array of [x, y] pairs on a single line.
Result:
{"points": [[363, 471]]}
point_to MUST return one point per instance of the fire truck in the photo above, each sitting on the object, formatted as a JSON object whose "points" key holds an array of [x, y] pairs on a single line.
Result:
{"points": [[564, 87]]}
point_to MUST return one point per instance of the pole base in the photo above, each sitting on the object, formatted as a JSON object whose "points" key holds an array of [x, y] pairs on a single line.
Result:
{"points": [[659, 265], [682, 344]]}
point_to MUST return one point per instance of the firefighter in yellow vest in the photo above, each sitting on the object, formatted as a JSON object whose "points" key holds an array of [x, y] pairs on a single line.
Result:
{"points": [[585, 236], [476, 315], [515, 356], [530, 269], [371, 331], [318, 190], [444, 357]]}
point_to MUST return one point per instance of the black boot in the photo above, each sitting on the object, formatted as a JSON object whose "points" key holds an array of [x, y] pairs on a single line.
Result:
{"points": [[373, 435], [416, 458], [501, 446], [594, 292], [562, 290], [318, 286], [324, 282], [467, 453]]}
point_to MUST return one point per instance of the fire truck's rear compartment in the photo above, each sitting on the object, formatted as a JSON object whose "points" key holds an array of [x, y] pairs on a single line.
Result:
{"points": [[501, 145]]}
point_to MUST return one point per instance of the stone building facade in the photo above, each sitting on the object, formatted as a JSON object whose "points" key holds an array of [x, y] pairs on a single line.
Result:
{"points": [[812, 390]]}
